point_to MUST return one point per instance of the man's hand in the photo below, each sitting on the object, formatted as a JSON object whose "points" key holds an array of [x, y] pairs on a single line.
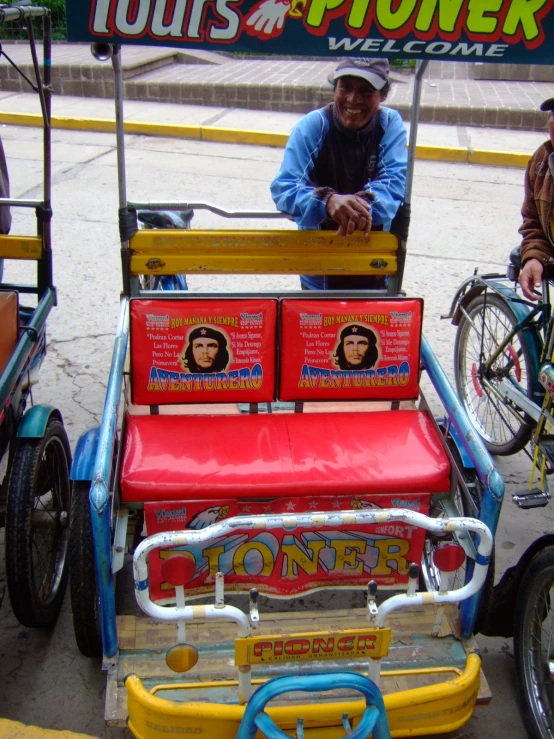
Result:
{"points": [[351, 212], [530, 278]]}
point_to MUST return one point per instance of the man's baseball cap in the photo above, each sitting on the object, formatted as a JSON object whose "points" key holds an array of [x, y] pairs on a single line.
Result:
{"points": [[548, 104], [374, 71]]}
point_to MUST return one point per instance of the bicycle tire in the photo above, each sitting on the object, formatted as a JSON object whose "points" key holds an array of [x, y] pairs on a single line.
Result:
{"points": [[37, 526], [500, 430], [533, 636], [83, 587]]}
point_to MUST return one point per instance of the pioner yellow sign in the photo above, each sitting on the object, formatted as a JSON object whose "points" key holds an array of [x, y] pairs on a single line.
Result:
{"points": [[310, 647]]}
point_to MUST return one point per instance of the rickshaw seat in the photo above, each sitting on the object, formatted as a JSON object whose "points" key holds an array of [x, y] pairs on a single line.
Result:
{"points": [[180, 457]]}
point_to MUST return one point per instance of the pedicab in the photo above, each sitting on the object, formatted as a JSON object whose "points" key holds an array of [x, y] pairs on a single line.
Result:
{"points": [[318, 569], [34, 449]]}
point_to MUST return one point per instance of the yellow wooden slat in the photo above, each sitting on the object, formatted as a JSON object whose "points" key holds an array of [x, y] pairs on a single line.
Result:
{"points": [[20, 247], [264, 252]]}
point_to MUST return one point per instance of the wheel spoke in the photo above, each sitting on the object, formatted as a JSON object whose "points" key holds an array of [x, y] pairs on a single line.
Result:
{"points": [[477, 340]]}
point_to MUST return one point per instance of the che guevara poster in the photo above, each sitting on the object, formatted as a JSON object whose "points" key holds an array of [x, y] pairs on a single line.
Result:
{"points": [[333, 349], [202, 351]]}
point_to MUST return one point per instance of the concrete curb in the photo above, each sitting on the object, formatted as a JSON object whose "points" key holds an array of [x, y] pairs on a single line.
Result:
{"points": [[254, 138]]}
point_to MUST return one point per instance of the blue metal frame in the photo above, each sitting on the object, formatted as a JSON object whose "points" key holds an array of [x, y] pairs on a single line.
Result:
{"points": [[373, 721], [487, 472], [100, 494]]}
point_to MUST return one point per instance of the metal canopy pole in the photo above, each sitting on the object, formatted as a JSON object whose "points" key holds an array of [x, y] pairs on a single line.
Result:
{"points": [[421, 66], [121, 180], [45, 93], [120, 135]]}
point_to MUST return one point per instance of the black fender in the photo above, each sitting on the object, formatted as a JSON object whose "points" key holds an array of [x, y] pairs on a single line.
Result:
{"points": [[464, 297], [499, 620]]}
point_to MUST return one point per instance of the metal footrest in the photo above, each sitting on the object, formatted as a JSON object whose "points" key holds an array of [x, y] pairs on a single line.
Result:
{"points": [[534, 498]]}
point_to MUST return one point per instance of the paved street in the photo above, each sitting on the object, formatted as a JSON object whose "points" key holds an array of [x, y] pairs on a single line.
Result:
{"points": [[463, 217]]}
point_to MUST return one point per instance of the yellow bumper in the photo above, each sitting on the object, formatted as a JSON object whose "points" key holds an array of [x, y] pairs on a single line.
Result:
{"points": [[435, 709]]}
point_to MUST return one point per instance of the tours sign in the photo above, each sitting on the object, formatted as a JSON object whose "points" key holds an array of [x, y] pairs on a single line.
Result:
{"points": [[508, 31]]}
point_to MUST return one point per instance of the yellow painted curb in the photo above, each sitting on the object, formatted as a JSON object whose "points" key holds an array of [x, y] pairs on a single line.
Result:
{"points": [[509, 159], [15, 730], [441, 153], [254, 138]]}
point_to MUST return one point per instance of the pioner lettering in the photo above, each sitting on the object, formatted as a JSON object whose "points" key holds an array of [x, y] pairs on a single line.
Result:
{"points": [[512, 31], [368, 643]]}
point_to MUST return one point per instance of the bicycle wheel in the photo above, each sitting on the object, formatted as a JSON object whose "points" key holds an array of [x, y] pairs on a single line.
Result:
{"points": [[534, 645], [490, 322], [37, 526], [82, 569]]}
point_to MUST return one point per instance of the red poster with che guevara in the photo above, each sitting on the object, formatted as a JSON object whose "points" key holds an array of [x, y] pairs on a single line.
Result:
{"points": [[336, 349], [201, 351]]}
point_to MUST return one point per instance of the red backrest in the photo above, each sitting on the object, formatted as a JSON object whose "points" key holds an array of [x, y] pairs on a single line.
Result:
{"points": [[202, 351], [350, 349]]}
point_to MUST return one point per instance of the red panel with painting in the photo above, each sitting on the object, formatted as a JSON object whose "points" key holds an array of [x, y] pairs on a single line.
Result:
{"points": [[201, 351], [337, 349]]}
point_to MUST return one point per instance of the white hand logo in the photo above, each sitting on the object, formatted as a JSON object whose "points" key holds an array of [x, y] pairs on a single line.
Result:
{"points": [[268, 18]]}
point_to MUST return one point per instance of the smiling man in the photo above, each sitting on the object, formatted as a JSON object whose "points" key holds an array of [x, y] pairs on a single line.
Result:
{"points": [[344, 167]]}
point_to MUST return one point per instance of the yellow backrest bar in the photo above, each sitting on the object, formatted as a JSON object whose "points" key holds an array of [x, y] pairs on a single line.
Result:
{"points": [[262, 252], [20, 247]]}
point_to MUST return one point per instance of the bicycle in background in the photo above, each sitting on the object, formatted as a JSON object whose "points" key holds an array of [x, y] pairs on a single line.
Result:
{"points": [[504, 373]]}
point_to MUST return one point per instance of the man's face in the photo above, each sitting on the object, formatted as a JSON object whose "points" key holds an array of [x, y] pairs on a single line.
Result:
{"points": [[204, 352], [355, 349], [356, 101], [551, 126]]}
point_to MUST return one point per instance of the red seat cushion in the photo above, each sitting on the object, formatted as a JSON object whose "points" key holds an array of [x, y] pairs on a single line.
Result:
{"points": [[267, 456]]}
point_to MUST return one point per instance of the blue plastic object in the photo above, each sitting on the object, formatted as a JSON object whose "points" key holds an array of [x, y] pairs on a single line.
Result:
{"points": [[373, 721], [171, 282], [34, 422], [82, 467]]}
